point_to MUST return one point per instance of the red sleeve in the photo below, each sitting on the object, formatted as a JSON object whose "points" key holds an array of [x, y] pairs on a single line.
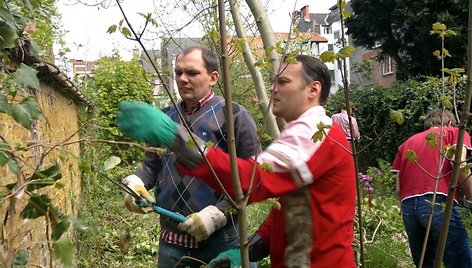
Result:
{"points": [[280, 183]]}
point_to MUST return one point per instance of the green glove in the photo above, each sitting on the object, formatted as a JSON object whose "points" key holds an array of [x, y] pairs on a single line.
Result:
{"points": [[143, 122], [230, 258]]}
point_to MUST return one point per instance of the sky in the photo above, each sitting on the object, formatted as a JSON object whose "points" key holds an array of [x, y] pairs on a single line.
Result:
{"points": [[86, 26]]}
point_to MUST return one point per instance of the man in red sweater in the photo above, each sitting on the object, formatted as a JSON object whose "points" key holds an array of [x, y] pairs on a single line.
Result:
{"points": [[314, 179]]}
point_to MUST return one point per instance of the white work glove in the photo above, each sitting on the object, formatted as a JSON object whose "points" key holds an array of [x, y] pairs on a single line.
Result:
{"points": [[202, 224], [137, 185]]}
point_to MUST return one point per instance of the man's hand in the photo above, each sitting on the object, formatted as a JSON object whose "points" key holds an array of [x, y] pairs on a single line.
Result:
{"points": [[227, 259], [202, 224], [143, 122], [137, 185]]}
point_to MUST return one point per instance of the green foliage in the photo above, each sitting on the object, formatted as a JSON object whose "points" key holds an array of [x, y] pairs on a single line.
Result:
{"points": [[318, 135], [26, 111], [63, 250], [408, 101], [403, 28], [115, 81], [383, 179], [21, 259], [27, 30], [385, 241], [26, 76], [411, 156], [115, 237], [396, 116]]}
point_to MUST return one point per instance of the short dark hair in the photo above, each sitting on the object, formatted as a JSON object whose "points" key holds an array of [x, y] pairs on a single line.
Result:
{"points": [[315, 70], [436, 117], [209, 58]]}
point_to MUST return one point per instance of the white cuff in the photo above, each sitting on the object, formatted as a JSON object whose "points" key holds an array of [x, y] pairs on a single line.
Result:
{"points": [[132, 180]]}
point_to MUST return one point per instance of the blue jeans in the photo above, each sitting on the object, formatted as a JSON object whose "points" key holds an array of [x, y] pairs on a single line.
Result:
{"points": [[224, 239], [415, 214]]}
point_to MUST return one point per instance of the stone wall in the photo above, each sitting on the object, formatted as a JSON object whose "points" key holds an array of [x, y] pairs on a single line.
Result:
{"points": [[55, 138]]}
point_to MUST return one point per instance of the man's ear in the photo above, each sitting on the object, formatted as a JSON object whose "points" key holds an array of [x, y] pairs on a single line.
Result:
{"points": [[315, 90], [214, 78]]}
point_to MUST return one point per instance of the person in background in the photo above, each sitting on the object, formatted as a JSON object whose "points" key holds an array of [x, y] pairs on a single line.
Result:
{"points": [[416, 184], [342, 119], [314, 180], [208, 229]]}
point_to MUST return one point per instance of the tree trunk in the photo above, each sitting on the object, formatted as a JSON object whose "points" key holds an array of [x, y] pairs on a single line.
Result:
{"points": [[267, 36], [269, 119]]}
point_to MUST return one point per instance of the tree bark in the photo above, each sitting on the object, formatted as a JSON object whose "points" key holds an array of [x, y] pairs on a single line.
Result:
{"points": [[269, 119]]}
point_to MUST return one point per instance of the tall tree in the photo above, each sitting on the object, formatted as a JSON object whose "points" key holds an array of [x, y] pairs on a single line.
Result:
{"points": [[403, 28]]}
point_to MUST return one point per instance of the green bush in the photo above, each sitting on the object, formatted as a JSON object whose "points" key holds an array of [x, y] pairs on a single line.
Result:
{"points": [[372, 107]]}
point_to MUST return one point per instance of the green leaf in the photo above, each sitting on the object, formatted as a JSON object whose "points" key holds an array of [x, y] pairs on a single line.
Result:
{"points": [[28, 5], [4, 105], [3, 159], [411, 156], [21, 259], [8, 35], [318, 136], [439, 26], [432, 139], [21, 116], [125, 31], [466, 168], [446, 102], [26, 76], [85, 167], [10, 186], [63, 249], [43, 178], [6, 16], [37, 207], [111, 162], [345, 52], [449, 151], [34, 47], [112, 29], [60, 228], [35, 3], [266, 167], [78, 223], [397, 117], [58, 185], [26, 111], [327, 56], [13, 166]]}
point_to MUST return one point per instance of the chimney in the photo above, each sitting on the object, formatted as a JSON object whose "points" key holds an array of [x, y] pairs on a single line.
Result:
{"points": [[306, 12]]}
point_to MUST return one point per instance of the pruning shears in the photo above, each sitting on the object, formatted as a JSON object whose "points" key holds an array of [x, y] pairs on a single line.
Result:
{"points": [[143, 202]]}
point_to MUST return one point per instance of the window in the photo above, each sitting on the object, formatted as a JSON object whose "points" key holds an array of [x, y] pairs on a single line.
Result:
{"points": [[330, 47], [331, 75], [327, 29], [336, 35], [387, 66]]}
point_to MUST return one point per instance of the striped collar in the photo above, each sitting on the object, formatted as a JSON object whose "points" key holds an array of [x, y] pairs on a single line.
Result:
{"points": [[200, 103]]}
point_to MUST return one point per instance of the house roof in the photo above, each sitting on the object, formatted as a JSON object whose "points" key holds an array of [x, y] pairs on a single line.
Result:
{"points": [[49, 72], [333, 15], [315, 37], [319, 18]]}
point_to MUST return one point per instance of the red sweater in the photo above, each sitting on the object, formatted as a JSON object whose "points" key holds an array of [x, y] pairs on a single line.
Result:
{"points": [[332, 197]]}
